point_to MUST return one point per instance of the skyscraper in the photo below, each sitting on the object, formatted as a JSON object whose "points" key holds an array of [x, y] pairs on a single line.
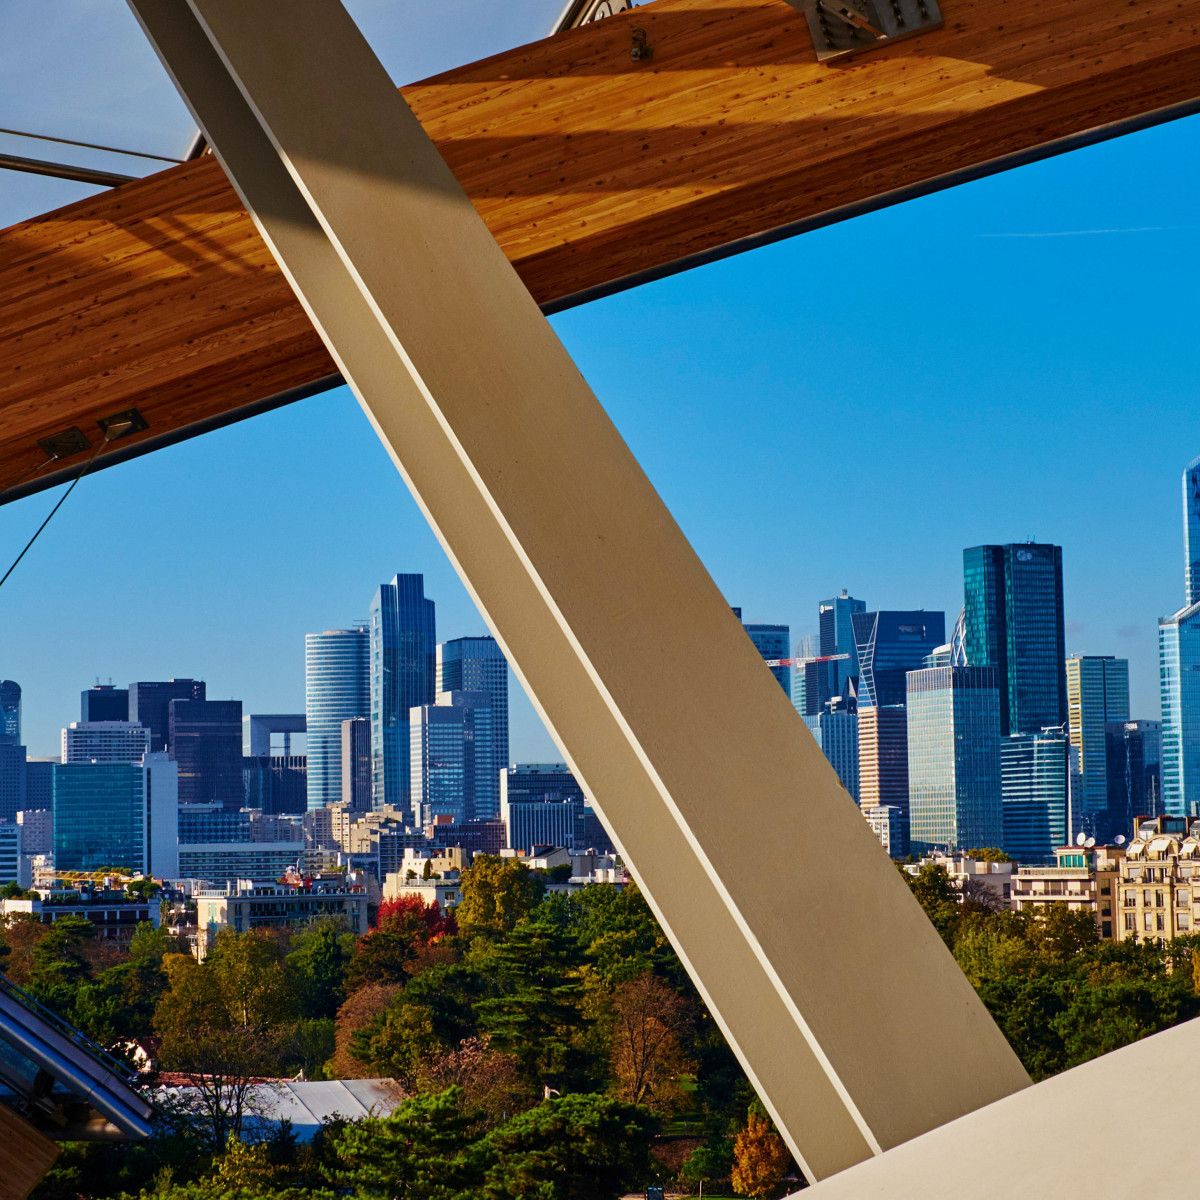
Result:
{"points": [[103, 702], [336, 688], [542, 804], [773, 642], [1097, 697], [883, 757], [836, 731], [816, 681], [403, 653], [452, 760], [1014, 622], [477, 664], [1134, 765], [206, 742], [104, 741], [836, 623], [13, 780], [149, 705], [890, 644], [1179, 670], [954, 758], [10, 712], [356, 764], [1034, 788]]}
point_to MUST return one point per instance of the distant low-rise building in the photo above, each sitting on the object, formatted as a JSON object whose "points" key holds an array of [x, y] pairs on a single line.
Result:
{"points": [[1083, 879], [977, 878], [446, 893], [1160, 880], [113, 911]]}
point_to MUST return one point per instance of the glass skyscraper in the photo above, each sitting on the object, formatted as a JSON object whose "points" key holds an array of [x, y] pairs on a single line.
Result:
{"points": [[99, 816], [772, 642], [477, 664], [206, 742], [1134, 766], [104, 702], [150, 705], [10, 713], [1191, 532], [336, 689], [452, 760], [1034, 786], [1014, 623], [403, 653], [836, 731], [890, 644], [1097, 697], [954, 797], [836, 626]]}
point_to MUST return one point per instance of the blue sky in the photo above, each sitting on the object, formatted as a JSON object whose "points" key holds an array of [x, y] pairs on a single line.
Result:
{"points": [[1014, 358]]}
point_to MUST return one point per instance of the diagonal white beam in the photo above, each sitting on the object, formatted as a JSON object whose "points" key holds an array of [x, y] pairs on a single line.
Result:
{"points": [[830, 984]]}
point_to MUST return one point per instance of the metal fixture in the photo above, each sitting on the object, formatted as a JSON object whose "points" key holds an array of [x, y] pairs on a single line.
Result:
{"points": [[842, 27], [65, 444], [122, 424], [639, 51]]}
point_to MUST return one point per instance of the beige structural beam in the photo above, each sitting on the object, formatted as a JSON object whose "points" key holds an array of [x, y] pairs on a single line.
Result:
{"points": [[829, 982]]}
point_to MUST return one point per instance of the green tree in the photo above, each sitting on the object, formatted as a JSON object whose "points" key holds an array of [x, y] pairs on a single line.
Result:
{"points": [[59, 964], [317, 965], [709, 1163], [583, 1147], [496, 894]]}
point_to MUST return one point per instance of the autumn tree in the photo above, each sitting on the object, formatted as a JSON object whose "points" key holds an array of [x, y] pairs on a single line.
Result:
{"points": [[648, 1021], [360, 1011], [760, 1159], [490, 1080], [496, 894]]}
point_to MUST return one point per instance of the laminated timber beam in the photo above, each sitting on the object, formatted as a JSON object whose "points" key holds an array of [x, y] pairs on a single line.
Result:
{"points": [[592, 170]]}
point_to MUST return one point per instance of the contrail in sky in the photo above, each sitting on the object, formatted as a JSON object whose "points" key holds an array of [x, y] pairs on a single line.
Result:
{"points": [[1065, 233]]}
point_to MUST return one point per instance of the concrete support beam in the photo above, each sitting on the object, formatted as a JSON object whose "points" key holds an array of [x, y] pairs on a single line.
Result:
{"points": [[649, 684]]}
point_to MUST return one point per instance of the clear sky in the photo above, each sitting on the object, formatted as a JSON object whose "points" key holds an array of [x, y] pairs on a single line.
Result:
{"points": [[1012, 359]]}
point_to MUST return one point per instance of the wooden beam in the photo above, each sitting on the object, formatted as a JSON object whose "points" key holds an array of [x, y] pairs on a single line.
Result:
{"points": [[592, 171]]}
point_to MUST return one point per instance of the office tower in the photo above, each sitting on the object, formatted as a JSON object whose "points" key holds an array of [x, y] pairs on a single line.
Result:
{"points": [[104, 741], [356, 764], [13, 780], [117, 815], [542, 804], [267, 734], [103, 702], [890, 825], [1014, 622], [149, 705], [890, 644], [452, 759], [206, 741], [954, 797], [883, 757], [1191, 532], [403, 652], [1097, 697], [836, 731], [275, 783], [336, 689], [817, 681], [12, 856], [1134, 763], [37, 828], [773, 642], [835, 619], [10, 713], [477, 664], [39, 782], [1034, 787]]}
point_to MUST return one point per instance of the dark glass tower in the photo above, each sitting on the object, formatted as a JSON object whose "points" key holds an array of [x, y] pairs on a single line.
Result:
{"points": [[206, 742], [890, 644], [104, 703], [477, 664], [836, 624], [149, 705], [1014, 622], [10, 713], [403, 637]]}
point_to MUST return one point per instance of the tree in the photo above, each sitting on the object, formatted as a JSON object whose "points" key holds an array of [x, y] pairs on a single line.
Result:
{"points": [[584, 1147], [361, 1009], [59, 965], [990, 854], [490, 1081], [936, 895], [648, 1019], [317, 964], [760, 1159], [496, 894], [249, 974], [711, 1162]]}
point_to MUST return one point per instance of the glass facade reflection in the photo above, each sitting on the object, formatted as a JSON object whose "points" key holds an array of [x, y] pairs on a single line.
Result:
{"points": [[890, 644], [1097, 697], [1191, 532], [477, 664], [452, 759], [99, 816], [1179, 685], [336, 689], [1033, 771], [10, 712]]}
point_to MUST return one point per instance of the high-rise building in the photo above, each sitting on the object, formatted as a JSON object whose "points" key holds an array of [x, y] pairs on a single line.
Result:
{"points": [[477, 664], [104, 702], [1191, 531], [1014, 623], [337, 688], [817, 681], [1034, 786], [356, 764], [149, 705], [890, 644], [1134, 765], [275, 783], [954, 797], [836, 731], [13, 780], [10, 713], [1097, 697], [542, 804], [452, 759], [117, 815], [267, 734], [773, 642], [206, 742], [836, 623], [883, 757], [39, 782], [403, 655], [104, 741]]}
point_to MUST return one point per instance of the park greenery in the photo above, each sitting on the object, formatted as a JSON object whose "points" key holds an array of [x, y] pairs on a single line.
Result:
{"points": [[548, 1045]]}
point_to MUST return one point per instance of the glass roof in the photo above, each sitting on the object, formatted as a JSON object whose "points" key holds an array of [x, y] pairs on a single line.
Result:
{"points": [[82, 70]]}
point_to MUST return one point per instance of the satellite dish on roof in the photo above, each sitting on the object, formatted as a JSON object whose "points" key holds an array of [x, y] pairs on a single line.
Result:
{"points": [[1080, 838], [1120, 839], [1090, 843]]}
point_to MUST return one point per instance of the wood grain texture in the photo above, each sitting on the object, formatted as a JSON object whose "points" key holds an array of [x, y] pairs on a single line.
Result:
{"points": [[591, 170], [25, 1155]]}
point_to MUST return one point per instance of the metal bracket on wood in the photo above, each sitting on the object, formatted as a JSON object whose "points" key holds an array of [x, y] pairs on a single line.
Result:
{"points": [[842, 27]]}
